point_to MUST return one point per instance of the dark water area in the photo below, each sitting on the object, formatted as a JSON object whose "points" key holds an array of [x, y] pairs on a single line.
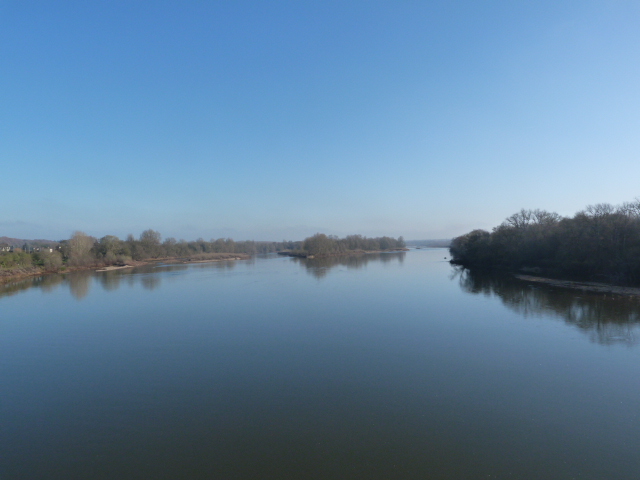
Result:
{"points": [[388, 366]]}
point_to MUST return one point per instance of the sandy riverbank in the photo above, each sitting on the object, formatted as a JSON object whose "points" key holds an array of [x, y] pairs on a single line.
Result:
{"points": [[584, 286], [114, 267]]}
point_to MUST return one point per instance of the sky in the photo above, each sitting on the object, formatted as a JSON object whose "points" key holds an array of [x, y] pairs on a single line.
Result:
{"points": [[273, 120]]}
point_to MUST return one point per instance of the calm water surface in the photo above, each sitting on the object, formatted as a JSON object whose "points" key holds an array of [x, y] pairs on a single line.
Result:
{"points": [[392, 366]]}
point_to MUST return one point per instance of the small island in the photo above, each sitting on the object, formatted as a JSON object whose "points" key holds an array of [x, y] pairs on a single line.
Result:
{"points": [[321, 245]]}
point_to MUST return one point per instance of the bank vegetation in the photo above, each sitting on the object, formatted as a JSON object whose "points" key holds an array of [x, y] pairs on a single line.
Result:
{"points": [[599, 243], [84, 251]]}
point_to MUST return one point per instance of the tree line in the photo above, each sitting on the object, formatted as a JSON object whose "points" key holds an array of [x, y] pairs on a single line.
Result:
{"points": [[601, 242], [84, 250]]}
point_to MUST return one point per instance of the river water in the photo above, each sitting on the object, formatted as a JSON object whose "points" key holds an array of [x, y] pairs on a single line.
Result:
{"points": [[388, 366]]}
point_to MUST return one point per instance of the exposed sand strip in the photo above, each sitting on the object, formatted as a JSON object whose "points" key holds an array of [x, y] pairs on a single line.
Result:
{"points": [[584, 286]]}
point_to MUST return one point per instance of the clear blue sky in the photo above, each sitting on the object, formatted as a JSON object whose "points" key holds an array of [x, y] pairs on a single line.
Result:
{"points": [[278, 119]]}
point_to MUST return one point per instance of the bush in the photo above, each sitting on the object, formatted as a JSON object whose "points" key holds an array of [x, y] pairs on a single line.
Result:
{"points": [[52, 261], [15, 260]]}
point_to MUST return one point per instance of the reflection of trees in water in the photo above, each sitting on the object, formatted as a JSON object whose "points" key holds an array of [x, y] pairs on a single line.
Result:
{"points": [[606, 318], [149, 276], [319, 267], [49, 283], [150, 282], [220, 265], [79, 283], [110, 280], [12, 288]]}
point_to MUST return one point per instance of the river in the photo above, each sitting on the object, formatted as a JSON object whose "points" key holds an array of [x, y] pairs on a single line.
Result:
{"points": [[384, 366]]}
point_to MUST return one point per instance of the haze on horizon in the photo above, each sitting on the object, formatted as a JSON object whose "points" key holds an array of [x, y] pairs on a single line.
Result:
{"points": [[272, 120]]}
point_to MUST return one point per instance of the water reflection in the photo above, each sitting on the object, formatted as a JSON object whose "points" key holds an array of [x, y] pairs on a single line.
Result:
{"points": [[148, 276], [150, 282], [79, 283], [227, 265], [606, 319], [48, 283], [320, 267], [110, 281]]}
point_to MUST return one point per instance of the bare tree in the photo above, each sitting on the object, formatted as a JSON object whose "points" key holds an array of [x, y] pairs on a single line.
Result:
{"points": [[80, 245]]}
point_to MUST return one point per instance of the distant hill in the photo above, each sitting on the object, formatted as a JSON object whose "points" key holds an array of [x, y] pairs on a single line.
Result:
{"points": [[19, 242], [438, 243]]}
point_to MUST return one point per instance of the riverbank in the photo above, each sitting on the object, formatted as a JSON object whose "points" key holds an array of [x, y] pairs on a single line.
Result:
{"points": [[13, 275], [583, 286]]}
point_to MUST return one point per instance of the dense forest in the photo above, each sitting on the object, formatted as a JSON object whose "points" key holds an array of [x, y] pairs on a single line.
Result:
{"points": [[83, 250], [601, 242]]}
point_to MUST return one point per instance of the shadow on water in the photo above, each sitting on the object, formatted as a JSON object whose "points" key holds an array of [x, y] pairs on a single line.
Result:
{"points": [[607, 319], [320, 267], [80, 282]]}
